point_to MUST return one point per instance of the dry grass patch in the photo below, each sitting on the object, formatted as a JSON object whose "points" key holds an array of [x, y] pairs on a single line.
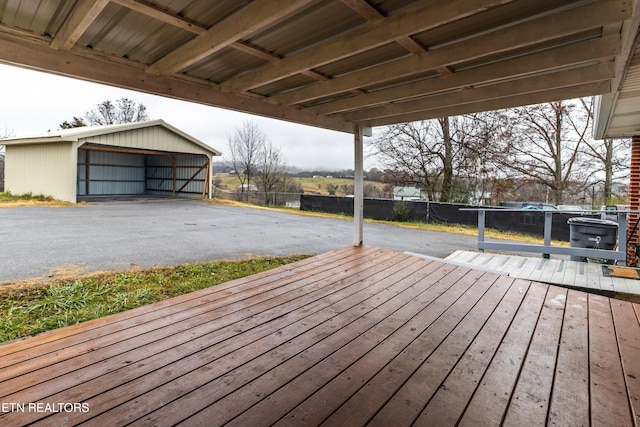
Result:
{"points": [[8, 200], [27, 309]]}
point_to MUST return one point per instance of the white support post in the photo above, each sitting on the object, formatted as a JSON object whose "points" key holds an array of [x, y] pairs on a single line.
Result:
{"points": [[358, 186], [210, 177]]}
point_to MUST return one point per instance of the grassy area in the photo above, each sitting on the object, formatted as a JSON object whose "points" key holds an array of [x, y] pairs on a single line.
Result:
{"points": [[11, 200], [27, 311], [309, 185]]}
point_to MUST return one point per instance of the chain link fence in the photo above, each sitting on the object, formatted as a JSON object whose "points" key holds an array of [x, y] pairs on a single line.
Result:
{"points": [[290, 200]]}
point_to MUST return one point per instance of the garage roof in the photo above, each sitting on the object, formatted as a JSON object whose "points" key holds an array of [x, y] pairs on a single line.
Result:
{"points": [[335, 64], [85, 134]]}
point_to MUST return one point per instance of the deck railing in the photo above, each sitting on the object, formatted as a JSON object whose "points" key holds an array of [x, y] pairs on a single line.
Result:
{"points": [[547, 249]]}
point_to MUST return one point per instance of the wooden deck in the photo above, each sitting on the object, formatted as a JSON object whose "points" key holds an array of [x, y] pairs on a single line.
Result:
{"points": [[351, 337], [555, 271]]}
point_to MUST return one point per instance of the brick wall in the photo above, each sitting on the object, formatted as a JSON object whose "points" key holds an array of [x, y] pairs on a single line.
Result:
{"points": [[634, 200]]}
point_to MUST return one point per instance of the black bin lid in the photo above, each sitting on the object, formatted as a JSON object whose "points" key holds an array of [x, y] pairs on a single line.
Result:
{"points": [[592, 222]]}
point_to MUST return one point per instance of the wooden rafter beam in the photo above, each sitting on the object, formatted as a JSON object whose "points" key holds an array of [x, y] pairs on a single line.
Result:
{"points": [[557, 80], [252, 17], [411, 21], [91, 147], [162, 15], [561, 57], [193, 177], [530, 33], [364, 9], [371, 14], [83, 14], [85, 65], [513, 101], [268, 56]]}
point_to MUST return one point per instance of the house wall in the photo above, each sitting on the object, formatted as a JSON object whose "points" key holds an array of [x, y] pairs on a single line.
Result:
{"points": [[47, 169], [634, 203]]}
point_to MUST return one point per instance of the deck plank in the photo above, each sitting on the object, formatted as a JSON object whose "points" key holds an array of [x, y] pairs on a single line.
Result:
{"points": [[165, 331], [530, 400], [491, 399], [627, 325], [210, 341], [557, 275], [544, 268], [315, 364], [609, 399], [525, 267], [352, 337], [449, 402], [570, 396], [418, 345]]}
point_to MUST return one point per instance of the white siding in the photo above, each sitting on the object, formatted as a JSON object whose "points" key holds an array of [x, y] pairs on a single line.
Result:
{"points": [[155, 138], [48, 169]]}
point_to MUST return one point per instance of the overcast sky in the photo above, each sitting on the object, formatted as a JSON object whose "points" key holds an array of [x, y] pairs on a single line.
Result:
{"points": [[35, 102]]}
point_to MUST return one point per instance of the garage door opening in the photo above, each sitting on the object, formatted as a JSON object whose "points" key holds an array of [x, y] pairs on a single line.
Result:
{"points": [[111, 171]]}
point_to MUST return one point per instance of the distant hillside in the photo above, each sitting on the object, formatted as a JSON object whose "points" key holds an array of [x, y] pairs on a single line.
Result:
{"points": [[223, 167], [318, 184]]}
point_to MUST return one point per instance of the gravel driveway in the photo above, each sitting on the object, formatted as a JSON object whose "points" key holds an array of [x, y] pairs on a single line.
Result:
{"points": [[42, 242]]}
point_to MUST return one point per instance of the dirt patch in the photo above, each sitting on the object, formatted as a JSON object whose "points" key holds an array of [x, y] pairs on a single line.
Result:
{"points": [[66, 271], [30, 203]]}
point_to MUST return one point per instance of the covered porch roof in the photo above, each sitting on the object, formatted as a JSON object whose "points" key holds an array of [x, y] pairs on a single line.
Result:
{"points": [[345, 65], [338, 64]]}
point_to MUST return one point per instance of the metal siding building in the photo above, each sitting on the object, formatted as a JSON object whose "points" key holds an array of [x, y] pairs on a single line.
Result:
{"points": [[130, 159]]}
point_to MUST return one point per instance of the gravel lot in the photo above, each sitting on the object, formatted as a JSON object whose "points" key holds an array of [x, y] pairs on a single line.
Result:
{"points": [[43, 242]]}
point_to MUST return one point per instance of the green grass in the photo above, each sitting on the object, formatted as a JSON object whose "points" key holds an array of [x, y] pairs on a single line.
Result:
{"points": [[27, 311], [7, 199]]}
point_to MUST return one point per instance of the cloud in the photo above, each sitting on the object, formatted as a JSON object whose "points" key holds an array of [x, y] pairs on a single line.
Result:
{"points": [[35, 102]]}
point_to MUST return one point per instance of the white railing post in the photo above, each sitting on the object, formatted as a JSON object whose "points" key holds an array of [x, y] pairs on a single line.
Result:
{"points": [[548, 220], [358, 187], [481, 222]]}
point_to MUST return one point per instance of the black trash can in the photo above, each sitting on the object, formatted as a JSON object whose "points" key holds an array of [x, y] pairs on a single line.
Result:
{"points": [[592, 233]]}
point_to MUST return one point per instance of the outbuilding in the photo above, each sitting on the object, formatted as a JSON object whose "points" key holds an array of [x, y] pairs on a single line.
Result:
{"points": [[143, 158]]}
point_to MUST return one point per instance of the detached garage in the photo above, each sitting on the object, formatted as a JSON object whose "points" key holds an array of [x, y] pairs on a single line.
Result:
{"points": [[152, 158]]}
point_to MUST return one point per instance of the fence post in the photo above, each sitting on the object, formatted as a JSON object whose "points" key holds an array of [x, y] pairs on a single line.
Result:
{"points": [[548, 216], [622, 234], [481, 220]]}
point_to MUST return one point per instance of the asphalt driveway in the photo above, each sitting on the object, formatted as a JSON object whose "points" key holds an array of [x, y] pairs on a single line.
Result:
{"points": [[42, 242]]}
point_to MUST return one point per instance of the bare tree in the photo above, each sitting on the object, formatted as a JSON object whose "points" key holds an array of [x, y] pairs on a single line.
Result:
{"points": [[412, 153], [432, 154], [124, 110], [4, 134], [605, 159], [272, 171], [246, 146], [544, 145]]}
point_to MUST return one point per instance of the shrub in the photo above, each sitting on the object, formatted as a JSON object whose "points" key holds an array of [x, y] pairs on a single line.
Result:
{"points": [[402, 211]]}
